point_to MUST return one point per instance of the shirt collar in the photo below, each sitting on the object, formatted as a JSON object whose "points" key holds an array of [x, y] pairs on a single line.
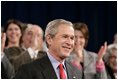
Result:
{"points": [[54, 61]]}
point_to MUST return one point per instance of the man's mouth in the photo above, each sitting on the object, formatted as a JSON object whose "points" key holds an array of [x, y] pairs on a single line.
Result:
{"points": [[67, 47]]}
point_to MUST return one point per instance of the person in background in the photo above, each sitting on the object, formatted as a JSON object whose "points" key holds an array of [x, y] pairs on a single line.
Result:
{"points": [[30, 49], [32, 43], [59, 36], [7, 70], [90, 63], [13, 30], [32, 37], [10, 42], [110, 59]]}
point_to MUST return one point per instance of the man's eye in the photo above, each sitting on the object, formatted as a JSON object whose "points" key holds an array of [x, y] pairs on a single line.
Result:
{"points": [[72, 38], [65, 36]]}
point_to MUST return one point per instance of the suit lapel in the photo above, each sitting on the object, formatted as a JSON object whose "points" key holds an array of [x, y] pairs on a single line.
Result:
{"points": [[48, 71], [70, 71]]}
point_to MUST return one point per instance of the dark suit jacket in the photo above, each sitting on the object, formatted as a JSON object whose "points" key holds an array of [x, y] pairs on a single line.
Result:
{"points": [[43, 69]]}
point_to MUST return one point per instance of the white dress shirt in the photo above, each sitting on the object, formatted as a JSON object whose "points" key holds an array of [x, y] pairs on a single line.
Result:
{"points": [[32, 53]]}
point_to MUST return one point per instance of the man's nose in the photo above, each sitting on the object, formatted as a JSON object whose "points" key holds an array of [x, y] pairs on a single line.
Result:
{"points": [[70, 41]]}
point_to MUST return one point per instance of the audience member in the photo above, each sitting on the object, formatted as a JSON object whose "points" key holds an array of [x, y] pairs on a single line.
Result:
{"points": [[13, 32], [32, 42], [11, 46], [7, 70], [90, 63]]}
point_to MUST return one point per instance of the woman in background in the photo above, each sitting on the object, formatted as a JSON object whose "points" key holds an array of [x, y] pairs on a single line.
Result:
{"points": [[11, 40], [88, 62], [13, 32]]}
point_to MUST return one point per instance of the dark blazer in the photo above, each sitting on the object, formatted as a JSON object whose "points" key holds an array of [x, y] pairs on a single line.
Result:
{"points": [[43, 69]]}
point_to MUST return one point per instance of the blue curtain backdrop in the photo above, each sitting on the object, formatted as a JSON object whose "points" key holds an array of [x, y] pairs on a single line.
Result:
{"points": [[100, 16]]}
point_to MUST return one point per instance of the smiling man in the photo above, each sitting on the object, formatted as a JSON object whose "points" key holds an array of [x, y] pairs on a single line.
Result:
{"points": [[59, 35]]}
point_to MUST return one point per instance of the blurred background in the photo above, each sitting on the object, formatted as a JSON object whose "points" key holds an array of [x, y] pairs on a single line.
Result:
{"points": [[100, 16]]}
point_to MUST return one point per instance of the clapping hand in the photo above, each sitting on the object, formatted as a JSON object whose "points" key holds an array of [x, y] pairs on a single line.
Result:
{"points": [[102, 52], [3, 39]]}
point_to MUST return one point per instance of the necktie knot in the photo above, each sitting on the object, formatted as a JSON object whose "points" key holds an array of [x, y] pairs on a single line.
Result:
{"points": [[60, 66], [62, 72]]}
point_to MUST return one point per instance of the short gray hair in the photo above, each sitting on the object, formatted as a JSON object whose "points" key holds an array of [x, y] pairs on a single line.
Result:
{"points": [[52, 27], [110, 50]]}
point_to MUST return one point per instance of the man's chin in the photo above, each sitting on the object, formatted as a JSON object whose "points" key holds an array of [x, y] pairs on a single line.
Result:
{"points": [[65, 56]]}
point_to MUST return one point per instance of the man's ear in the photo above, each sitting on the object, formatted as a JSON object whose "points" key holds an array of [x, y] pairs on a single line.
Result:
{"points": [[48, 39]]}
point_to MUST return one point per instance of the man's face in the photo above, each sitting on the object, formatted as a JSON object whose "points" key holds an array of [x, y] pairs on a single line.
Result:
{"points": [[33, 37], [113, 61], [63, 42]]}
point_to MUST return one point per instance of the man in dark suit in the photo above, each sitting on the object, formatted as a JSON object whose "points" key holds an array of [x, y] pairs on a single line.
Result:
{"points": [[59, 37]]}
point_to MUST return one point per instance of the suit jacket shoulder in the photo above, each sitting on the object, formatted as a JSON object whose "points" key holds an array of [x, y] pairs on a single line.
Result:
{"points": [[38, 69]]}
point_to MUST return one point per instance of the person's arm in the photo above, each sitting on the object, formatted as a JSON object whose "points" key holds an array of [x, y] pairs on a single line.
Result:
{"points": [[100, 66], [3, 39], [99, 63]]}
